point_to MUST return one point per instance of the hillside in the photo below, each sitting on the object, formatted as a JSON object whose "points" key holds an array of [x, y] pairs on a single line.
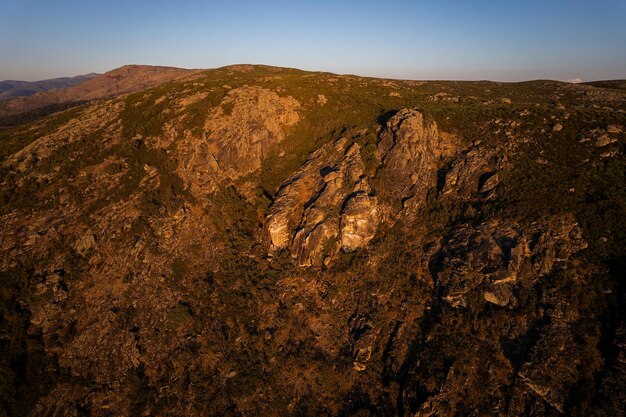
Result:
{"points": [[122, 80], [255, 240], [12, 88], [610, 84]]}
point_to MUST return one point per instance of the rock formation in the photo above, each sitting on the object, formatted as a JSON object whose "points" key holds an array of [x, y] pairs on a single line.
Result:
{"points": [[253, 240], [235, 141]]}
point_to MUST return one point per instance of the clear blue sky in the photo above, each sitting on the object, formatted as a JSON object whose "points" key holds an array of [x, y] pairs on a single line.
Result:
{"points": [[434, 39]]}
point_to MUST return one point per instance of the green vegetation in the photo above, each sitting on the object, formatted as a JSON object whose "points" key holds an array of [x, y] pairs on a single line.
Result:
{"points": [[619, 85], [558, 174]]}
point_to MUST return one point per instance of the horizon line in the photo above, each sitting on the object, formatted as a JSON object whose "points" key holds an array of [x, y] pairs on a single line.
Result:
{"points": [[573, 80]]}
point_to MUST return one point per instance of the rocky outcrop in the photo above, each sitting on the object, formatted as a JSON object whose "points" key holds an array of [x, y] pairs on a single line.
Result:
{"points": [[324, 207], [359, 219], [237, 136], [329, 205], [411, 151], [472, 171], [495, 258], [249, 121], [557, 349]]}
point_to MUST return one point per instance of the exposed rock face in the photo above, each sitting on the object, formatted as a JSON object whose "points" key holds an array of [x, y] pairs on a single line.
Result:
{"points": [[359, 219], [237, 136], [411, 150], [488, 182], [325, 206], [472, 171], [498, 257], [241, 137], [328, 204]]}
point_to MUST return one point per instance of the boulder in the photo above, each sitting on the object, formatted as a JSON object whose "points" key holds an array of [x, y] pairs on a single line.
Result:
{"points": [[605, 140], [85, 243], [499, 293]]}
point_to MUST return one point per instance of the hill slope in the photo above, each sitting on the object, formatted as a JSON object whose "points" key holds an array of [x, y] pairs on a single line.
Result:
{"points": [[12, 89], [122, 80], [269, 241]]}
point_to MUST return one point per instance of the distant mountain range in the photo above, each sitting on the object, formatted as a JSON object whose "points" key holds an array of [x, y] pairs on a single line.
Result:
{"points": [[12, 88], [126, 79]]}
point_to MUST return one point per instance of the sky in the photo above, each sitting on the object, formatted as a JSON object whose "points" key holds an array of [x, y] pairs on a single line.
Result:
{"points": [[505, 40]]}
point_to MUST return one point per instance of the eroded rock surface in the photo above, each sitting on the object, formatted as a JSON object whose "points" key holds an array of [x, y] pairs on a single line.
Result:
{"points": [[237, 136], [325, 206], [498, 257], [359, 219], [329, 204], [411, 151]]}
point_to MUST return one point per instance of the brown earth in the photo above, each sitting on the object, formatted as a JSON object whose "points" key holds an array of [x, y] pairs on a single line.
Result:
{"points": [[126, 79], [232, 244]]}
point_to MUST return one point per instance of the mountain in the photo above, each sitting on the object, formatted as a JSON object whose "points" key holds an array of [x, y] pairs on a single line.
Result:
{"points": [[254, 240], [127, 79], [12, 89]]}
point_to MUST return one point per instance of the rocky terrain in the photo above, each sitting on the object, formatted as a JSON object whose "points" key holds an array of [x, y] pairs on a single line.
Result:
{"points": [[255, 240]]}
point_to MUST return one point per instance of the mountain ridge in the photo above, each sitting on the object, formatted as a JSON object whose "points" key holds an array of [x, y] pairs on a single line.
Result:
{"points": [[106, 87], [125, 79], [14, 88]]}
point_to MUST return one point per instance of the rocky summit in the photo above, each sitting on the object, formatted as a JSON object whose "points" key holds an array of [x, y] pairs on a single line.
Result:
{"points": [[255, 240]]}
